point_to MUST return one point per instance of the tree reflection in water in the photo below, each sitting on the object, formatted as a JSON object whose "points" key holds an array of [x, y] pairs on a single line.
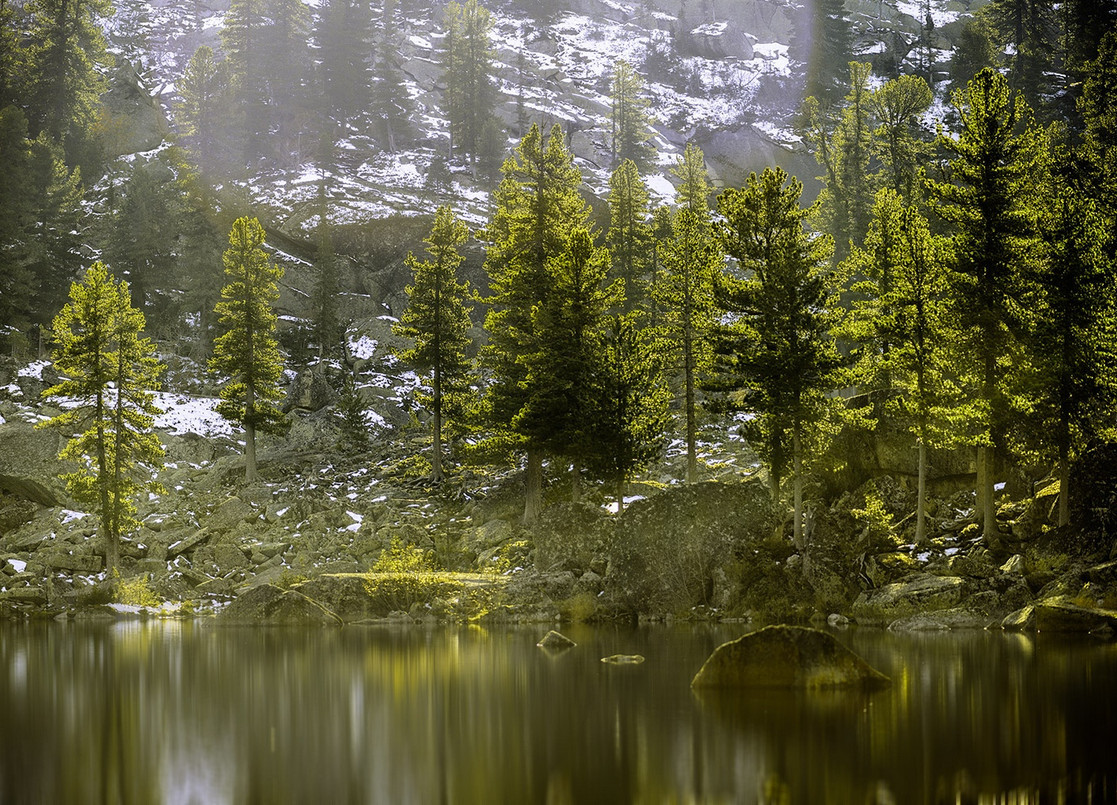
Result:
{"points": [[184, 712]]}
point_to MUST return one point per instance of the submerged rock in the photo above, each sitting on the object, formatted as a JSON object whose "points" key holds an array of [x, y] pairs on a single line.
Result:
{"points": [[787, 657], [623, 659], [553, 640]]}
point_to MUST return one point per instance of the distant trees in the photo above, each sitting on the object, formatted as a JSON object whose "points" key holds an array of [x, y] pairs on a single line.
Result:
{"points": [[110, 371], [629, 119], [391, 102], [246, 355], [437, 319], [468, 75], [629, 236], [203, 89]]}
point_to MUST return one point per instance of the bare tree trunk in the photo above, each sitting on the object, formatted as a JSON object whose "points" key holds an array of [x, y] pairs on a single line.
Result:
{"points": [[250, 435], [1064, 483], [691, 427], [436, 455], [797, 532], [533, 486], [921, 497], [989, 531]]}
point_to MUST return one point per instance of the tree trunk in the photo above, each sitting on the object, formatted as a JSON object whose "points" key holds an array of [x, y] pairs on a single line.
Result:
{"points": [[691, 428], [436, 454], [620, 494], [576, 482], [797, 532], [533, 486], [250, 434], [1064, 477], [921, 496], [989, 531]]}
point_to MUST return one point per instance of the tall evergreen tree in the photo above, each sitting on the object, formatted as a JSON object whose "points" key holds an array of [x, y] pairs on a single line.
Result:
{"points": [[693, 191], [390, 97], [242, 39], [66, 46], [778, 350], [142, 239], [974, 51], [1075, 343], [323, 298], [1031, 28], [821, 41], [537, 207], [110, 371], [898, 106], [246, 355], [468, 74], [902, 323], [1098, 107], [691, 259], [629, 236], [631, 124], [343, 30], [437, 319], [990, 201], [203, 88], [846, 199]]}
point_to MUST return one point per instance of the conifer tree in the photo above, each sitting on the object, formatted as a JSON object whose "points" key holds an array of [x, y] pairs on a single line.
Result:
{"points": [[343, 29], [1098, 107], [629, 236], [897, 107], [468, 75], [437, 319], [1075, 342], [821, 41], [693, 192], [844, 203], [65, 49], [110, 371], [17, 279], [778, 351], [246, 355], [631, 124], [630, 399], [12, 54], [691, 259], [974, 51], [391, 101], [990, 203], [537, 207], [352, 413], [242, 39], [203, 89], [1031, 28], [141, 241], [323, 298], [902, 323]]}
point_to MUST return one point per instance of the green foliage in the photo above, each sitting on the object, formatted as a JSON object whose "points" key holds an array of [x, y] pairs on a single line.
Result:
{"points": [[876, 521], [246, 355], [974, 52], [693, 192], [898, 106], [437, 319], [136, 592], [468, 65], [631, 124], [776, 358], [343, 28], [203, 90], [399, 557], [110, 371], [629, 236], [1098, 107], [390, 98], [351, 409], [1031, 28]]}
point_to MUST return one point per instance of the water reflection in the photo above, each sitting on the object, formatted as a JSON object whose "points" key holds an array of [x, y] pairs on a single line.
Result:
{"points": [[187, 713]]}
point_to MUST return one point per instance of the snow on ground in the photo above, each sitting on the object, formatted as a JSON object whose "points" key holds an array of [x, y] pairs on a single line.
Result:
{"points": [[186, 414]]}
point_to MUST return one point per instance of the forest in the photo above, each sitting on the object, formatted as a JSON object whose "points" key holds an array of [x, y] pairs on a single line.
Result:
{"points": [[906, 366]]}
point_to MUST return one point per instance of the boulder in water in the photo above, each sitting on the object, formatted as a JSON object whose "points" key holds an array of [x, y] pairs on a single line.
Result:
{"points": [[787, 657], [271, 605], [555, 641]]}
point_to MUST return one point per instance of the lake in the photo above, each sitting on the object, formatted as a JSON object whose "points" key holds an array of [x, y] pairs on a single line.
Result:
{"points": [[183, 712]]}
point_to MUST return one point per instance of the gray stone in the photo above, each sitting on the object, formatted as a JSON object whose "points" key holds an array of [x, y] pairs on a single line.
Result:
{"points": [[29, 465], [309, 391], [134, 122], [229, 557], [942, 620], [1104, 574], [837, 620], [188, 544], [230, 514], [623, 659], [1022, 620], [786, 657], [268, 604], [921, 592], [555, 640], [1014, 565], [75, 563], [35, 596], [1061, 615]]}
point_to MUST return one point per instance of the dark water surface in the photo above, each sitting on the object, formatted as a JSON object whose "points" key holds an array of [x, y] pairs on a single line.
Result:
{"points": [[194, 713]]}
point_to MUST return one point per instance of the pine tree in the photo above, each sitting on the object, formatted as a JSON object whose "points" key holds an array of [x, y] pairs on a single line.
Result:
{"points": [[111, 371], [246, 355], [778, 352], [1098, 107], [693, 192], [974, 51], [468, 75], [990, 202], [12, 54], [389, 93], [537, 207], [629, 237], [631, 124], [630, 399], [203, 88], [1030, 27], [898, 107], [437, 319], [821, 40], [242, 39], [17, 213], [65, 49], [343, 29], [353, 415], [141, 240], [844, 203], [902, 324], [1075, 343], [684, 296]]}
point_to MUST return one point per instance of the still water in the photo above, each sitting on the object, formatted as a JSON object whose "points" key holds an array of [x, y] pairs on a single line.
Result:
{"points": [[194, 713]]}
